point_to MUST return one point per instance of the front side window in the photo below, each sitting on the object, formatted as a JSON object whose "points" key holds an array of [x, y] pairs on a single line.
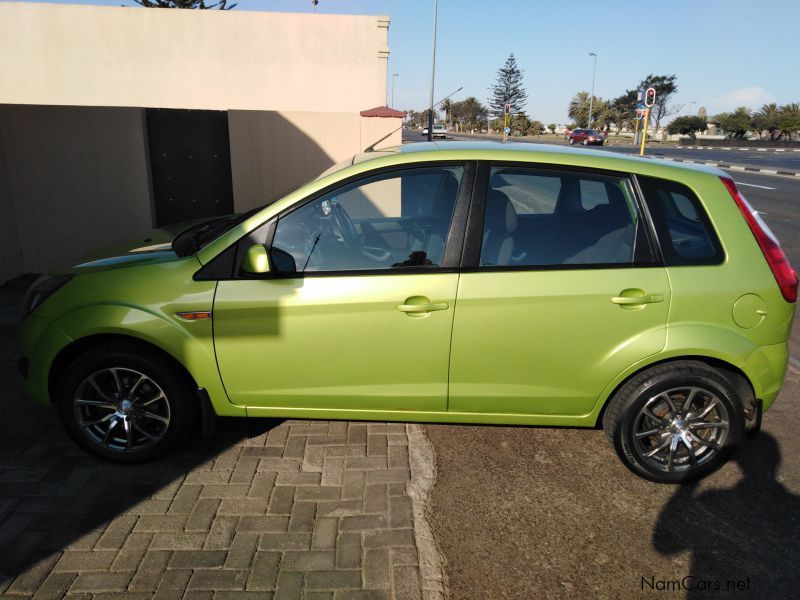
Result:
{"points": [[391, 221], [684, 230], [546, 218]]}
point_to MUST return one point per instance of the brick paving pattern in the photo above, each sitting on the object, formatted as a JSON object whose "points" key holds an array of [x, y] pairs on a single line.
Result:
{"points": [[262, 509], [305, 509]]}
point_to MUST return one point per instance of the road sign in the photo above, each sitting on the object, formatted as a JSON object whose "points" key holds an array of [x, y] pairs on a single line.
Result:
{"points": [[507, 130], [507, 108], [650, 97]]}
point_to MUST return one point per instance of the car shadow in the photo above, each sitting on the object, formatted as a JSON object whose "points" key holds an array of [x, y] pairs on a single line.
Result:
{"points": [[54, 496], [745, 539]]}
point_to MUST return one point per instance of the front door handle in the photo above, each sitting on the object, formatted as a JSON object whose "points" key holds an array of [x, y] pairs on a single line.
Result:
{"points": [[636, 300], [422, 308]]}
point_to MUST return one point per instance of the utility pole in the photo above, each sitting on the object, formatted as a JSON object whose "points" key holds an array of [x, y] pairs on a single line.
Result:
{"points": [[433, 70], [591, 97]]}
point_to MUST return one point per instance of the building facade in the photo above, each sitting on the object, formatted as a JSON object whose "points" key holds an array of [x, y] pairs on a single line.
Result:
{"points": [[115, 120]]}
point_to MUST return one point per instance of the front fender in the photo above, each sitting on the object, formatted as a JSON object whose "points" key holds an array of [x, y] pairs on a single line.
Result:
{"points": [[189, 342]]}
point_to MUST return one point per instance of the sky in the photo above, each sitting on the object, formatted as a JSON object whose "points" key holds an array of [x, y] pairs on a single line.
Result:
{"points": [[725, 53]]}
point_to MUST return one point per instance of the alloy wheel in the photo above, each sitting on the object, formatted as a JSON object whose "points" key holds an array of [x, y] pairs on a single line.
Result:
{"points": [[680, 429], [122, 410]]}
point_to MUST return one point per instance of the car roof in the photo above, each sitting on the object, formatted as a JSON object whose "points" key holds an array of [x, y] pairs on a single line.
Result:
{"points": [[531, 152]]}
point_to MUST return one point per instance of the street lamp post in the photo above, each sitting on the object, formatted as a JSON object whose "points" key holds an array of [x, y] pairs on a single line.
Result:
{"points": [[394, 78], [591, 96], [433, 70]]}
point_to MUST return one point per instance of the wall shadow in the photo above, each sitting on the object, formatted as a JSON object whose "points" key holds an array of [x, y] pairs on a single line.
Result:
{"points": [[745, 539]]}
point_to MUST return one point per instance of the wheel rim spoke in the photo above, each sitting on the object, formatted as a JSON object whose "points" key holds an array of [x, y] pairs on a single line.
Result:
{"points": [[155, 417], [149, 402], [650, 433], [709, 425], [658, 448], [707, 443], [673, 447], [85, 424], [707, 409], [97, 403], [687, 405]]}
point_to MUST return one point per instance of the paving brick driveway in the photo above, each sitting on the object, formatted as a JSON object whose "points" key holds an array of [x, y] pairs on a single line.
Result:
{"points": [[263, 509]]}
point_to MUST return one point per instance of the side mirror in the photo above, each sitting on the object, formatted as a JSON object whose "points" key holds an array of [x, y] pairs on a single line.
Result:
{"points": [[256, 260]]}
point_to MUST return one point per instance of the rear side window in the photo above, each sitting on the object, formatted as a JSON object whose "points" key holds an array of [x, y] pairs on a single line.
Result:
{"points": [[683, 227], [544, 218]]}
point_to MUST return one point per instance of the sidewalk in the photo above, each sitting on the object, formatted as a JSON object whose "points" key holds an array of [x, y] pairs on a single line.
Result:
{"points": [[263, 509]]}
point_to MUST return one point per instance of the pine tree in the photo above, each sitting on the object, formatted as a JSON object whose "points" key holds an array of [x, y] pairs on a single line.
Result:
{"points": [[508, 88], [184, 4]]}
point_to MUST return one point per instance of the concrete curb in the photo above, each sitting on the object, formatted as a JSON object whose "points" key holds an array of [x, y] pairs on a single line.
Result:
{"points": [[423, 477], [731, 167]]}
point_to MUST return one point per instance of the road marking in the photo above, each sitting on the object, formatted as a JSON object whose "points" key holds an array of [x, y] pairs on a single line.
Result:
{"points": [[763, 187]]}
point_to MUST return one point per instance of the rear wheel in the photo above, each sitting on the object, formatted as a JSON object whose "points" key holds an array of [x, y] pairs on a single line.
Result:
{"points": [[571, 142], [675, 422], [123, 405]]}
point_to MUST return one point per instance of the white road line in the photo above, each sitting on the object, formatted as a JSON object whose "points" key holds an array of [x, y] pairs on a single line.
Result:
{"points": [[736, 168], [762, 187]]}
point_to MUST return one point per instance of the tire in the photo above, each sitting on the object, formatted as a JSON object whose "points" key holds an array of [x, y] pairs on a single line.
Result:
{"points": [[571, 142], [585, 142], [715, 418], [152, 413]]}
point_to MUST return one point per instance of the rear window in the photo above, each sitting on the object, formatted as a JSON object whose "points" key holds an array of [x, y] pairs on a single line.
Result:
{"points": [[684, 230]]}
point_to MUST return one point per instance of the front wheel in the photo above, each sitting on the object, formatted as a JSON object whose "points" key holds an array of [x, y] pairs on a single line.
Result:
{"points": [[585, 142], [123, 405], [675, 422]]}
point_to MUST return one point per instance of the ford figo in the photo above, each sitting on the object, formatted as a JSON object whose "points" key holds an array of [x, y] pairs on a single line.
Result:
{"points": [[451, 282]]}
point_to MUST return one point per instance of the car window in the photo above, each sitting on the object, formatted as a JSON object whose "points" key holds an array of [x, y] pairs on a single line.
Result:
{"points": [[388, 221], [550, 218], [684, 230]]}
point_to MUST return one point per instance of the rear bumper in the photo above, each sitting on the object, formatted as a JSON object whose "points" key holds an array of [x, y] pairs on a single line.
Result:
{"points": [[766, 368]]}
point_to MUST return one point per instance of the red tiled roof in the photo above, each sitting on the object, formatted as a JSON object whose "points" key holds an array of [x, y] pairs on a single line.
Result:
{"points": [[382, 111]]}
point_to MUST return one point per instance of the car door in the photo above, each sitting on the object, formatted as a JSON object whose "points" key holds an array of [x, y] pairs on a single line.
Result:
{"points": [[559, 293], [357, 311]]}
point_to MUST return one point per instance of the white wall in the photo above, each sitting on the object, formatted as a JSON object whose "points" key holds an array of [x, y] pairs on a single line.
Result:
{"points": [[207, 59]]}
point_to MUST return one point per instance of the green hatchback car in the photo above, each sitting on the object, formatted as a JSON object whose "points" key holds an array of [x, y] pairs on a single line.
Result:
{"points": [[452, 282]]}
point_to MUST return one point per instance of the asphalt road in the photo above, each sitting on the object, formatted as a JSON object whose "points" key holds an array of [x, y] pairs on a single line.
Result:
{"points": [[549, 513]]}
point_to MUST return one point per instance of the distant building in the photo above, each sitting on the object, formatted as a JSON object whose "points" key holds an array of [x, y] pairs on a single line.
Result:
{"points": [[114, 120]]}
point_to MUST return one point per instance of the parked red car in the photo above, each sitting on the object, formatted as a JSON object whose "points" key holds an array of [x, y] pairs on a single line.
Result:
{"points": [[586, 137]]}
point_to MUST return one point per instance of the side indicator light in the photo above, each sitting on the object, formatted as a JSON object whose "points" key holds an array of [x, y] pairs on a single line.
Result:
{"points": [[195, 315]]}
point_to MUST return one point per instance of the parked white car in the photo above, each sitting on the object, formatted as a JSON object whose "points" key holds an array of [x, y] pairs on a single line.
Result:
{"points": [[439, 130]]}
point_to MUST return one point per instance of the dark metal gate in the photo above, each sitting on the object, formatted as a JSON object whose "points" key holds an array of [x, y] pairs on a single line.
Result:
{"points": [[190, 164]]}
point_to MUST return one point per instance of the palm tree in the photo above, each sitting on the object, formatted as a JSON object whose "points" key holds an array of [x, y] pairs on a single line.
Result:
{"points": [[789, 119], [766, 119], [447, 107], [578, 110]]}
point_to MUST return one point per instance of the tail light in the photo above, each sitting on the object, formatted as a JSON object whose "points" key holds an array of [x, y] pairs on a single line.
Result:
{"points": [[781, 269]]}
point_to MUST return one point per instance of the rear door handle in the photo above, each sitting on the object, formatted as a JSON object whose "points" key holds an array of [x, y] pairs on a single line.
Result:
{"points": [[635, 300], [422, 308]]}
